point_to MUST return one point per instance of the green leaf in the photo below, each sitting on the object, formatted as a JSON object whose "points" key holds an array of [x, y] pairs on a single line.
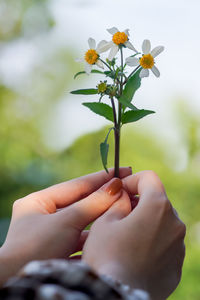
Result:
{"points": [[135, 54], [83, 72], [110, 74], [126, 103], [135, 115], [131, 87], [85, 92], [104, 147], [101, 109]]}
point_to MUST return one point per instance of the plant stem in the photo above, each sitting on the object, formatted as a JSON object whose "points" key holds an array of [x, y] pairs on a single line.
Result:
{"points": [[117, 145], [132, 74], [118, 124], [117, 138], [107, 65], [114, 111]]}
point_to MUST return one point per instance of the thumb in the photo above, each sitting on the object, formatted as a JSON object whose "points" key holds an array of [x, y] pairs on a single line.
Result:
{"points": [[120, 209], [85, 211]]}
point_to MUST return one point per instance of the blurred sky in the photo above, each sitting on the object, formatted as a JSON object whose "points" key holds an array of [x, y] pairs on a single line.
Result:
{"points": [[172, 23]]}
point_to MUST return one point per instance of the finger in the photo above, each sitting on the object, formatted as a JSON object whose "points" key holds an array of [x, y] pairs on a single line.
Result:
{"points": [[82, 213], [152, 195], [66, 193], [142, 183], [120, 209], [82, 240]]}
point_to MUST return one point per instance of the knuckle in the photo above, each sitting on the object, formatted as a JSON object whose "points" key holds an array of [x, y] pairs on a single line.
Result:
{"points": [[83, 186], [33, 195], [17, 203], [162, 203], [181, 229], [166, 203], [151, 174], [20, 202]]}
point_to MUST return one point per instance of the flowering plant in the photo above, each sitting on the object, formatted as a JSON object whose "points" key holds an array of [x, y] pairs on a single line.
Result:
{"points": [[118, 86]]}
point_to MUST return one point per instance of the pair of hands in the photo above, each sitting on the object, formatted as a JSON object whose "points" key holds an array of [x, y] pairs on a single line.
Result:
{"points": [[142, 247]]}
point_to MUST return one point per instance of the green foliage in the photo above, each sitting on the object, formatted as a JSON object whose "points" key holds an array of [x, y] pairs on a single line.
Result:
{"points": [[28, 165], [85, 92], [101, 109], [17, 15], [126, 103], [83, 72], [104, 147], [110, 74], [131, 87], [4, 224], [134, 115]]}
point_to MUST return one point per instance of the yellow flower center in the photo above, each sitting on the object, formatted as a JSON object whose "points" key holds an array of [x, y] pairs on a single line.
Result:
{"points": [[147, 61], [102, 87], [91, 56], [120, 38]]}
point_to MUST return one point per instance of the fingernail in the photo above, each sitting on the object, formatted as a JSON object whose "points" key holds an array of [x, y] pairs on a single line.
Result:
{"points": [[114, 186]]}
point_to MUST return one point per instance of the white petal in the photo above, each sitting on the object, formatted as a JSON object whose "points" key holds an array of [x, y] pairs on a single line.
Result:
{"points": [[88, 68], [132, 61], [92, 43], [99, 64], [157, 50], [155, 71], [113, 51], [130, 46], [146, 46], [101, 44], [112, 30], [144, 73], [105, 47], [126, 31]]}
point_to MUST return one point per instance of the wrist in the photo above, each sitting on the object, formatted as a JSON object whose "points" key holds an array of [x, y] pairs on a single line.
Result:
{"points": [[114, 270], [9, 266], [4, 268], [122, 274]]}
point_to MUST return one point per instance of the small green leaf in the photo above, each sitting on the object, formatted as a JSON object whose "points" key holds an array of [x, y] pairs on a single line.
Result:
{"points": [[135, 115], [85, 92], [135, 54], [131, 87], [101, 109], [110, 74], [126, 103], [83, 72], [104, 147]]}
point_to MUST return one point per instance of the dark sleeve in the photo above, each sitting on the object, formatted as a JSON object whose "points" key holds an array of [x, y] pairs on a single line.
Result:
{"points": [[65, 280]]}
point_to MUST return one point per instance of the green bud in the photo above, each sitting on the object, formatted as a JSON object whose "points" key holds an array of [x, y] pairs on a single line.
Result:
{"points": [[102, 87]]}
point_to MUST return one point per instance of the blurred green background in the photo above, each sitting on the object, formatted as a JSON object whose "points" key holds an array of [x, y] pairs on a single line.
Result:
{"points": [[28, 162]]}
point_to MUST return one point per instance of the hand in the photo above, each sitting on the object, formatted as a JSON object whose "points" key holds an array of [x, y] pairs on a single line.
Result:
{"points": [[48, 224], [143, 248]]}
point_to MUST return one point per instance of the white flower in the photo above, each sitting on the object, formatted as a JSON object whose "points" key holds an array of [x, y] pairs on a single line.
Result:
{"points": [[118, 38], [91, 56], [147, 60]]}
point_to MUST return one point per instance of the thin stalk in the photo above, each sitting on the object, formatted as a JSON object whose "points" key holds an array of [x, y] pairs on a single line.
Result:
{"points": [[132, 74], [114, 111], [118, 124], [107, 65], [116, 133]]}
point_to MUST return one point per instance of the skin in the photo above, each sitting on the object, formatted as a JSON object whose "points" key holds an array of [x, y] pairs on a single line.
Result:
{"points": [[49, 223], [143, 247]]}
